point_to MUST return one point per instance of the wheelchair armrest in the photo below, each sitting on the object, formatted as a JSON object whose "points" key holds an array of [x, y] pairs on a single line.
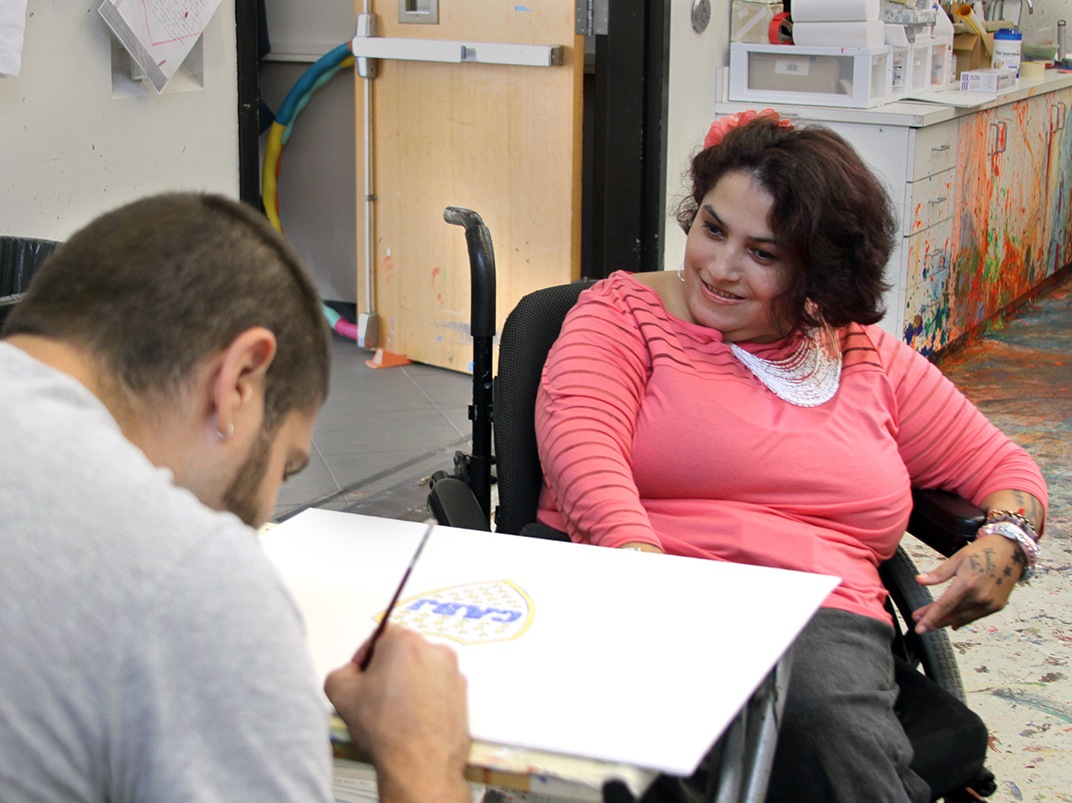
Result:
{"points": [[942, 520], [454, 504], [538, 530]]}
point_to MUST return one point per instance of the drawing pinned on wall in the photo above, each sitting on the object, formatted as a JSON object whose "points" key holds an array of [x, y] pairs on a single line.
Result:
{"points": [[158, 34], [474, 613], [12, 34]]}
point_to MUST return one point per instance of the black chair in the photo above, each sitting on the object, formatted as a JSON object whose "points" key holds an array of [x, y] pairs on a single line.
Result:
{"points": [[950, 741], [20, 257]]}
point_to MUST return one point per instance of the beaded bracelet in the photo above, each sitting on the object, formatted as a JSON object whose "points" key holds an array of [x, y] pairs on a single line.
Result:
{"points": [[1017, 533], [1015, 518]]}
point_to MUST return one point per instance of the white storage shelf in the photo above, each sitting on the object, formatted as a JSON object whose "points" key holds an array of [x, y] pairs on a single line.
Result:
{"points": [[819, 76]]}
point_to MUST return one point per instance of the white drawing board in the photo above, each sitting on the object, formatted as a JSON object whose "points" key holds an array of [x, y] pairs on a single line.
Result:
{"points": [[619, 656]]}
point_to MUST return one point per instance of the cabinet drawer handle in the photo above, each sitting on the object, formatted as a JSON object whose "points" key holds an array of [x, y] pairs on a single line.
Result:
{"points": [[1000, 128], [941, 200], [941, 148]]}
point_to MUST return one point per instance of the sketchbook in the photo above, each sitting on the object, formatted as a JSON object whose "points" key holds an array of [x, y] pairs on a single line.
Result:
{"points": [[618, 656]]}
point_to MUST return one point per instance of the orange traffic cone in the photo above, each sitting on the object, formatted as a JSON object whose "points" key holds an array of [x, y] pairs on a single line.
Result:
{"points": [[386, 359]]}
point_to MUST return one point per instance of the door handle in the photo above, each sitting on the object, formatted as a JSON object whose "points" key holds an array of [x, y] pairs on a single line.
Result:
{"points": [[455, 52]]}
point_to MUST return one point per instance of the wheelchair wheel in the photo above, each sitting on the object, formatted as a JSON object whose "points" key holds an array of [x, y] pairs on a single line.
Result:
{"points": [[931, 653]]}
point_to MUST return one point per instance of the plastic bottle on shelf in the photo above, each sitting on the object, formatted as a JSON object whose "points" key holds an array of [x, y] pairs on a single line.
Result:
{"points": [[1008, 43]]}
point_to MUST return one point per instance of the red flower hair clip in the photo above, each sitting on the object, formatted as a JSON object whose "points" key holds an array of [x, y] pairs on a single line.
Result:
{"points": [[722, 126]]}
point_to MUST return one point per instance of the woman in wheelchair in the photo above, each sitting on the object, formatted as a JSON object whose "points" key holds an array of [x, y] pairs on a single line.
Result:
{"points": [[747, 408]]}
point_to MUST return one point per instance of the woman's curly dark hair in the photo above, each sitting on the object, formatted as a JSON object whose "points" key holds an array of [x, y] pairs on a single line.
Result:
{"points": [[831, 212]]}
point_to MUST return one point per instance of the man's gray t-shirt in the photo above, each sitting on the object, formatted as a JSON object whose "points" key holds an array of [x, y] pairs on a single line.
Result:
{"points": [[148, 650]]}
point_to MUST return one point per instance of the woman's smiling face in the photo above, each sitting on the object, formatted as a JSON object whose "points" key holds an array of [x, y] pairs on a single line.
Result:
{"points": [[734, 264]]}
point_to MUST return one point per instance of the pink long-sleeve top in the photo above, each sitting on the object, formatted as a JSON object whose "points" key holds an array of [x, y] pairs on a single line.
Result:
{"points": [[650, 430]]}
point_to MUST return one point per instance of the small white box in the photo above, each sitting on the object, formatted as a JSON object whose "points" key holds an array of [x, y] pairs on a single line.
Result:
{"points": [[810, 76], [990, 81]]}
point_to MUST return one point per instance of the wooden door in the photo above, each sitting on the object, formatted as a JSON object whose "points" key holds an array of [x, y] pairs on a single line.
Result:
{"points": [[502, 140]]}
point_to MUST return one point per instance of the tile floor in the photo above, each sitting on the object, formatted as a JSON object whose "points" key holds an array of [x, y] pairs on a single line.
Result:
{"points": [[379, 436], [384, 431]]}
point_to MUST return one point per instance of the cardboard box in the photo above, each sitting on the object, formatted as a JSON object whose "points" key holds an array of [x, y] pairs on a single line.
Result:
{"points": [[988, 80], [973, 52]]}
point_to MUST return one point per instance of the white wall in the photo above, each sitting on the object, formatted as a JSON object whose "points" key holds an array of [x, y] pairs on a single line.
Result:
{"points": [[310, 27], [72, 145], [694, 59], [1041, 26]]}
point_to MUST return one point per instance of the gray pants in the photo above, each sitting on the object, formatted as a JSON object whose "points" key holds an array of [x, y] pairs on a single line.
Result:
{"points": [[840, 741], [839, 738]]}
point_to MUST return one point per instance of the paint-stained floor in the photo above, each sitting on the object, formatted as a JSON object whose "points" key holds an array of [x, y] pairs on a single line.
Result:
{"points": [[384, 431], [1017, 664]]}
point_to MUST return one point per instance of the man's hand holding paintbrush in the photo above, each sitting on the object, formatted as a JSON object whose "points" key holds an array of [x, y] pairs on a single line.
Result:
{"points": [[404, 702]]}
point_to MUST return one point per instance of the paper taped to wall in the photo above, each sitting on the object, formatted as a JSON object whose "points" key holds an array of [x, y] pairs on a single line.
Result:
{"points": [[158, 34]]}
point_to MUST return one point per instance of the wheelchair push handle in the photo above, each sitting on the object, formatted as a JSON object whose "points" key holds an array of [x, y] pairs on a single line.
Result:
{"points": [[481, 268], [482, 329]]}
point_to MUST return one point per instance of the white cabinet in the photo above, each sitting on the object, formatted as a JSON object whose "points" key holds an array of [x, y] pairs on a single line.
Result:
{"points": [[927, 229]]}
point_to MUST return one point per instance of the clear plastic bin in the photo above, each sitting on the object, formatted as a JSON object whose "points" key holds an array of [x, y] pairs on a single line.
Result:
{"points": [[817, 76], [919, 71]]}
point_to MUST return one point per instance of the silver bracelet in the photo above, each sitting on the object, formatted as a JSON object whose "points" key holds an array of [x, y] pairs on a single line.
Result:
{"points": [[1014, 532], [1015, 518]]}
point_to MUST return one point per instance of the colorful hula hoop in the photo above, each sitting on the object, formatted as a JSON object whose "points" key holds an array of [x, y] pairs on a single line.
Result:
{"points": [[323, 70]]}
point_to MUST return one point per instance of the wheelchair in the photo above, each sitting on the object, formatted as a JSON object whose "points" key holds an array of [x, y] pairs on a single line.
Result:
{"points": [[949, 740]]}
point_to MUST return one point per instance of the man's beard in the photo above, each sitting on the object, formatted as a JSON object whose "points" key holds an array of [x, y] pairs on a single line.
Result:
{"points": [[241, 496]]}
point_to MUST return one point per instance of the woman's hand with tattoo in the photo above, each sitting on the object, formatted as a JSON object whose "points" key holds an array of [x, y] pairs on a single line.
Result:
{"points": [[983, 575]]}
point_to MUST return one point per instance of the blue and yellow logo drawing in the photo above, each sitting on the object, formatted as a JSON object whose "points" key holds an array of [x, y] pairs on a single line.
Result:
{"points": [[476, 613]]}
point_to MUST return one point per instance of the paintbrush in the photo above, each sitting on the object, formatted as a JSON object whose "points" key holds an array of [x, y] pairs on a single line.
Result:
{"points": [[398, 591]]}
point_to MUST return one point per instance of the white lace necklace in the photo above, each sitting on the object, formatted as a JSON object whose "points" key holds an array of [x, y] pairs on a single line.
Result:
{"points": [[806, 378]]}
